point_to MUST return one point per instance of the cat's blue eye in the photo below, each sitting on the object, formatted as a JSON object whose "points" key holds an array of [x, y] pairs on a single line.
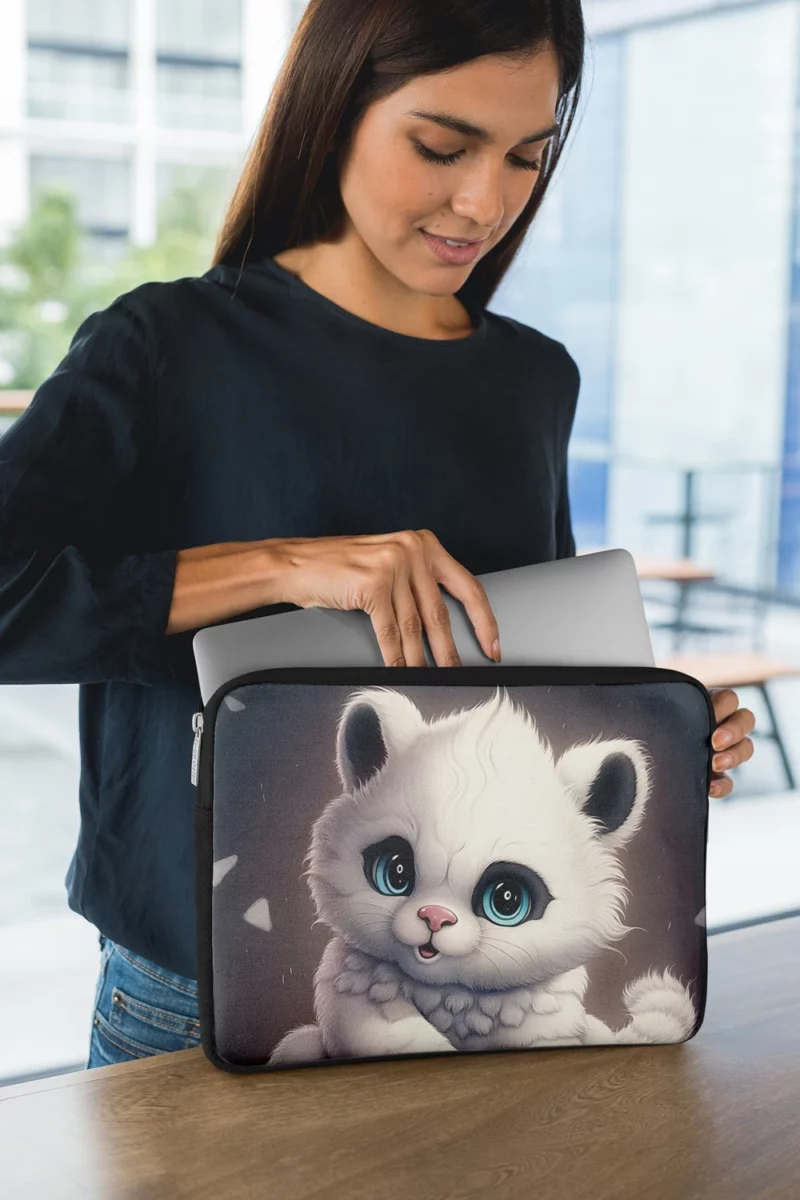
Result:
{"points": [[506, 902], [389, 867], [509, 894]]}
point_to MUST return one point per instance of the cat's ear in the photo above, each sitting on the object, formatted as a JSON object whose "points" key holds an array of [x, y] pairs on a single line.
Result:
{"points": [[610, 782], [375, 724]]}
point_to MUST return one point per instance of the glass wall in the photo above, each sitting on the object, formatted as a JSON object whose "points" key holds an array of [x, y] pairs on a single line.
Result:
{"points": [[662, 259], [566, 281], [788, 549]]}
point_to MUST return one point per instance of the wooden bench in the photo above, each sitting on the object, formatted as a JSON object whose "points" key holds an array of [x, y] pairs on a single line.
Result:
{"points": [[740, 670]]}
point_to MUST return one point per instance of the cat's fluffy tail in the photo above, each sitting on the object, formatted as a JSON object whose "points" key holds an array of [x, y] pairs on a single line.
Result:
{"points": [[661, 1008], [303, 1044]]}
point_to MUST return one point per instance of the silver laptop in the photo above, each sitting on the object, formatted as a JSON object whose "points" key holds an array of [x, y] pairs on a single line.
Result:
{"points": [[584, 611]]}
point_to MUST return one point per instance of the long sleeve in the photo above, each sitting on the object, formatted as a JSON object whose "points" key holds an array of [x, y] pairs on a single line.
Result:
{"points": [[565, 539], [83, 598]]}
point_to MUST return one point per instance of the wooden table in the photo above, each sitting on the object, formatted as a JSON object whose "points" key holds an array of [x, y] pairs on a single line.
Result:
{"points": [[14, 403], [715, 1119], [731, 668], [675, 570]]}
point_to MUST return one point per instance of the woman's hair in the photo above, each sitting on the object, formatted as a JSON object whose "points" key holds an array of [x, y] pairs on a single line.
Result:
{"points": [[347, 54]]}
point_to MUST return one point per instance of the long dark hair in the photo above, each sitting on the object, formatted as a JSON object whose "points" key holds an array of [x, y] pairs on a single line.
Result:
{"points": [[347, 54]]}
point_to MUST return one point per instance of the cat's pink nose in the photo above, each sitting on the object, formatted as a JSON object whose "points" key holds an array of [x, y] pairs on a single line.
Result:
{"points": [[436, 916]]}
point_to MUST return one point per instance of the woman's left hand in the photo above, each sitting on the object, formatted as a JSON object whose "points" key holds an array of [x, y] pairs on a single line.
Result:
{"points": [[729, 740]]}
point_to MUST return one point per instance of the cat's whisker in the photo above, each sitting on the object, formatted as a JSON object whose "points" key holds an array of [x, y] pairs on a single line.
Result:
{"points": [[365, 903], [491, 963], [518, 962], [372, 912]]}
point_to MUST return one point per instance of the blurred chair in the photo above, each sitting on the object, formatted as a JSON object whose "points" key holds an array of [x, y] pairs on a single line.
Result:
{"points": [[741, 670]]}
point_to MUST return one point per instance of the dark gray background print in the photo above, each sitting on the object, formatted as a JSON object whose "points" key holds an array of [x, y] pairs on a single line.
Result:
{"points": [[275, 770]]}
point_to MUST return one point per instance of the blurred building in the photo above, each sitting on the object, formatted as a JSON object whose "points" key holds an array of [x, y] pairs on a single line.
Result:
{"points": [[663, 256], [121, 99]]}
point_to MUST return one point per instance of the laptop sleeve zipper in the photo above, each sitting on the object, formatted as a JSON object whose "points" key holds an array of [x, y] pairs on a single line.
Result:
{"points": [[197, 726]]}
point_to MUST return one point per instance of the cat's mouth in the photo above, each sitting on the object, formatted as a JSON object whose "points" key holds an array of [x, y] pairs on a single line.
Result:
{"points": [[428, 951]]}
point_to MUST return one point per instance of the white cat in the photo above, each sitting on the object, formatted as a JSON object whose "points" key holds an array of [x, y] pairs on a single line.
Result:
{"points": [[467, 877]]}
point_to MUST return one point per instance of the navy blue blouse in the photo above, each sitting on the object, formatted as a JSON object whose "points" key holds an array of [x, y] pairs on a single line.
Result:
{"points": [[236, 407]]}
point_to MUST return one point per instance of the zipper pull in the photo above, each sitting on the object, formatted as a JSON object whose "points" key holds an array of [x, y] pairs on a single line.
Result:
{"points": [[197, 726]]}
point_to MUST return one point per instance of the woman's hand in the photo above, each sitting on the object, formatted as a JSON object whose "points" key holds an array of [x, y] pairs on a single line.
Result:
{"points": [[394, 578], [729, 739]]}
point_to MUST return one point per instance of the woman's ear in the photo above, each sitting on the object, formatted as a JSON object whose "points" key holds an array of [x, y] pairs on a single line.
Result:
{"points": [[610, 782], [375, 724]]}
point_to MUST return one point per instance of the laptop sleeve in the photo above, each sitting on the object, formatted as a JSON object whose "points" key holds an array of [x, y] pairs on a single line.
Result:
{"points": [[424, 860]]}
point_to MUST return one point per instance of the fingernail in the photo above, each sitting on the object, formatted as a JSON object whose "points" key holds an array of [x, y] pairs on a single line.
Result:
{"points": [[722, 737], [714, 789], [496, 650], [721, 761]]}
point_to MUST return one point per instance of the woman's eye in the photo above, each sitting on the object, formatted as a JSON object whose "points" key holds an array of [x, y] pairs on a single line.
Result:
{"points": [[447, 160], [389, 867], [509, 893]]}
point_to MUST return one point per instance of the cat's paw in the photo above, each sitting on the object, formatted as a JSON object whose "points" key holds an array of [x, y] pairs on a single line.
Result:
{"points": [[410, 1035], [427, 1040], [661, 1008]]}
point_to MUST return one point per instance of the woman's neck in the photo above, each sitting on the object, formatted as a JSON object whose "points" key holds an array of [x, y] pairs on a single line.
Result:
{"points": [[346, 273]]}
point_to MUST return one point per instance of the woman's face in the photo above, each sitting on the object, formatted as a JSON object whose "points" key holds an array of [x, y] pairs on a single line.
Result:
{"points": [[393, 190]]}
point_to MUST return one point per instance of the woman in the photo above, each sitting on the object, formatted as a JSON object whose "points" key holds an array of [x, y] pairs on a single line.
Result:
{"points": [[328, 417]]}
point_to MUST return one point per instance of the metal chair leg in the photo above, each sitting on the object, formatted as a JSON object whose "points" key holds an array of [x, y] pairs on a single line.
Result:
{"points": [[680, 612], [776, 734]]}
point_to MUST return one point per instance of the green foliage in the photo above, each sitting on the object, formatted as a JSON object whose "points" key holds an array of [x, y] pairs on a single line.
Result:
{"points": [[52, 277]]}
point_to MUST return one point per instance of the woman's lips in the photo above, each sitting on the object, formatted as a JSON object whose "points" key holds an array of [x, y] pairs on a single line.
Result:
{"points": [[453, 255]]}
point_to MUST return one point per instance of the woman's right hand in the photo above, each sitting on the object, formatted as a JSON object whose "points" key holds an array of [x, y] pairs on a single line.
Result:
{"points": [[394, 578]]}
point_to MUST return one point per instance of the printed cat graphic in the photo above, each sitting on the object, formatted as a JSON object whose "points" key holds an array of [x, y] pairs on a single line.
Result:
{"points": [[466, 877]]}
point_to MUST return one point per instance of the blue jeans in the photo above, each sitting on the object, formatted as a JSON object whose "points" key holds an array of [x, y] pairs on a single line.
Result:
{"points": [[140, 1009]]}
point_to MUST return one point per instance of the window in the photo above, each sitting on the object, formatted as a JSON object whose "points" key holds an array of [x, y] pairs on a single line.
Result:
{"points": [[101, 186], [88, 22], [198, 95], [65, 85], [200, 28], [199, 64], [78, 60]]}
